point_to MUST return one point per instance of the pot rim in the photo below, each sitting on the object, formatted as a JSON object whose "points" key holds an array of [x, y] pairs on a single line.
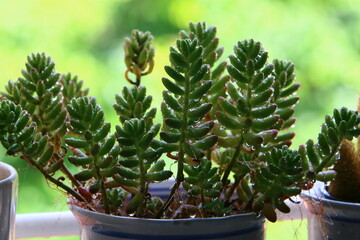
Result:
{"points": [[318, 192], [10, 169], [84, 212]]}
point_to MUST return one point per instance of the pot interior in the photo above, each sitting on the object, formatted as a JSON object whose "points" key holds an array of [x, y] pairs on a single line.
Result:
{"points": [[6, 172]]}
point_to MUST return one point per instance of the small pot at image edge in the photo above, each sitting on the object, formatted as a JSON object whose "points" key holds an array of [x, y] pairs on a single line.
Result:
{"points": [[329, 218], [8, 199]]}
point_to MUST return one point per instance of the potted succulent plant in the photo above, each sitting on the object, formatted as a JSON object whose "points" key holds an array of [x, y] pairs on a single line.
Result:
{"points": [[225, 125], [333, 210], [8, 200]]}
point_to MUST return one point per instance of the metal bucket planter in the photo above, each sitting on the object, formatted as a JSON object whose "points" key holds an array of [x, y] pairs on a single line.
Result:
{"points": [[8, 197], [96, 226], [329, 218]]}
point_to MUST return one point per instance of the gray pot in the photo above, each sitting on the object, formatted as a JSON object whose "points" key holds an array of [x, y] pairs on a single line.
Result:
{"points": [[8, 197], [98, 226], [329, 218]]}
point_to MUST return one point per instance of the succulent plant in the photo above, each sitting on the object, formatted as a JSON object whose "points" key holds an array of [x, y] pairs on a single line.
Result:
{"points": [[347, 180], [226, 125]]}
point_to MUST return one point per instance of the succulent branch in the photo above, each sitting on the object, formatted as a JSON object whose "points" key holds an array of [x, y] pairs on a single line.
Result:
{"points": [[250, 111], [254, 113], [203, 181], [139, 152], [72, 87], [275, 180], [43, 93], [212, 54], [139, 55], [184, 131], [140, 164], [93, 148], [317, 157], [19, 136], [134, 103], [284, 96], [39, 93]]}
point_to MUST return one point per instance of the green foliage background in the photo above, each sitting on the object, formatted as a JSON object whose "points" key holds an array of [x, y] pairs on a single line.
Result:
{"points": [[85, 37]]}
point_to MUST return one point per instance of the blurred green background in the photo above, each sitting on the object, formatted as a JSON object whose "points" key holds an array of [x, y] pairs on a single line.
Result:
{"points": [[85, 37]]}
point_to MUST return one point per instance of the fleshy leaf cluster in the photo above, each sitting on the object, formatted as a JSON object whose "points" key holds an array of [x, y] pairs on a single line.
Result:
{"points": [[139, 55], [320, 155]]}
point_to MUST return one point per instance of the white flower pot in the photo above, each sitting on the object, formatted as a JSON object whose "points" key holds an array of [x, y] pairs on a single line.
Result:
{"points": [[330, 219], [8, 198], [97, 226]]}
